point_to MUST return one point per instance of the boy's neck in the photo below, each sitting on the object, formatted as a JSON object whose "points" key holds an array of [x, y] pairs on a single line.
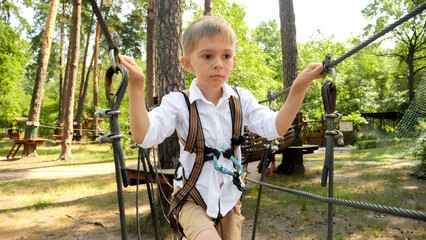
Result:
{"points": [[212, 95]]}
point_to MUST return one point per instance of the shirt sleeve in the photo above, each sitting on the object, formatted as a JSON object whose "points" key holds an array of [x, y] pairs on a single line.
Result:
{"points": [[163, 120], [258, 118]]}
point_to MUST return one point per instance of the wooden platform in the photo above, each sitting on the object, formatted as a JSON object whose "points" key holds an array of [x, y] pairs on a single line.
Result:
{"points": [[165, 176], [18, 142], [292, 158], [305, 149]]}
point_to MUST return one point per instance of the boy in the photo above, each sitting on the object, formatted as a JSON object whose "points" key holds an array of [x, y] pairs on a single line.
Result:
{"points": [[209, 45]]}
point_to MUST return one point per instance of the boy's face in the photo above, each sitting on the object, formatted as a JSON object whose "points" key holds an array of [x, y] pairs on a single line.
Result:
{"points": [[212, 59]]}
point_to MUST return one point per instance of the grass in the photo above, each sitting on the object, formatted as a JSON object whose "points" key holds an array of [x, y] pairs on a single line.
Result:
{"points": [[82, 152], [365, 175]]}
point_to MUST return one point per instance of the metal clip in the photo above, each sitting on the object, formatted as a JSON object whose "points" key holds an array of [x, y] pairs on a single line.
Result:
{"points": [[338, 116], [271, 147], [107, 113], [108, 138], [333, 72], [113, 60], [336, 133]]}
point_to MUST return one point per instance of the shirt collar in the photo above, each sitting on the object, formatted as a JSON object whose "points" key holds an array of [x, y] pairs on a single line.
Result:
{"points": [[195, 92]]}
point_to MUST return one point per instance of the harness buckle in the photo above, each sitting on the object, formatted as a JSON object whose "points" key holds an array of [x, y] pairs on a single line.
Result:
{"points": [[236, 181], [237, 142], [228, 153]]}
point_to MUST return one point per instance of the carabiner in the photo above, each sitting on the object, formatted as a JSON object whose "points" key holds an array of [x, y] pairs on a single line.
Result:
{"points": [[225, 170], [333, 72]]}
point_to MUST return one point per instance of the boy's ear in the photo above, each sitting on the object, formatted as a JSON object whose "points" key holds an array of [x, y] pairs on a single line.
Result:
{"points": [[186, 64]]}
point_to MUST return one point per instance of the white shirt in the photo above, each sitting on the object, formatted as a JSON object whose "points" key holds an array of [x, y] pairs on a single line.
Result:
{"points": [[217, 128]]}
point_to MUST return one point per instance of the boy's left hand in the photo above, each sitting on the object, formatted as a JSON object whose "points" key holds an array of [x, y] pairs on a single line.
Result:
{"points": [[313, 71]]}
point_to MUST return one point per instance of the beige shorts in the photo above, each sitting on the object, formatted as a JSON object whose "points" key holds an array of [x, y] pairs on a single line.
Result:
{"points": [[194, 219]]}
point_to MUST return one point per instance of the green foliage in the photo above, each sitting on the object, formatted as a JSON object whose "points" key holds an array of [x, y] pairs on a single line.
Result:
{"points": [[133, 34], [14, 55], [409, 38], [375, 143], [8, 10], [365, 81], [420, 152], [369, 135], [267, 35], [314, 50]]}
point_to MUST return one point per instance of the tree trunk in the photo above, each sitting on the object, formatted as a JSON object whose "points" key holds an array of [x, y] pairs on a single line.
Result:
{"points": [[64, 89], [38, 91], [67, 132], [208, 7], [95, 76], [288, 42], [150, 76], [83, 86], [291, 163], [62, 64], [168, 71]]}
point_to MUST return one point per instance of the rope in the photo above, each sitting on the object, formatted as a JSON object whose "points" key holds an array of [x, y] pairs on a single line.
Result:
{"points": [[259, 194], [56, 127], [121, 175], [272, 97], [103, 25], [401, 212], [382, 32], [143, 156]]}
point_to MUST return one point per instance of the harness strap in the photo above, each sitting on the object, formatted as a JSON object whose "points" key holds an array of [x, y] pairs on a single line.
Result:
{"points": [[194, 144]]}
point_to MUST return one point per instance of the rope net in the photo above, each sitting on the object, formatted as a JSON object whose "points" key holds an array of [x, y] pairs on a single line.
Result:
{"points": [[412, 126]]}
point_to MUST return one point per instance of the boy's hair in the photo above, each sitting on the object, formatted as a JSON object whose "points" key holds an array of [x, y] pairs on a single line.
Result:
{"points": [[205, 27]]}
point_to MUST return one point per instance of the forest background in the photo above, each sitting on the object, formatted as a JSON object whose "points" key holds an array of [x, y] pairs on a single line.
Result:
{"points": [[376, 79]]}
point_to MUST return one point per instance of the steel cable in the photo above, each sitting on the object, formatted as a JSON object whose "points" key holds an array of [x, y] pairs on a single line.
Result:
{"points": [[356, 204], [382, 32]]}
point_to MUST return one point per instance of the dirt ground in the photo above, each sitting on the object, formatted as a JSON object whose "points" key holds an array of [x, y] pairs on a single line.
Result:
{"points": [[72, 220]]}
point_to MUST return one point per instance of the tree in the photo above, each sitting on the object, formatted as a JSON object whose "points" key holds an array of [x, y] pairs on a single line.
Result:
{"points": [[67, 131], [150, 71], [268, 37], [95, 74], [61, 63], [38, 91], [84, 82], [208, 7], [293, 163], [133, 30], [14, 55], [410, 38], [288, 42], [7, 9], [169, 74]]}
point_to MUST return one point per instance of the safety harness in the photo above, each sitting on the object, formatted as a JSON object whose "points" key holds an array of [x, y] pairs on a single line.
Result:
{"points": [[195, 144]]}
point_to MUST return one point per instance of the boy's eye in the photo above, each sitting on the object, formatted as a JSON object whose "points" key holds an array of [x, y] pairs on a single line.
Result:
{"points": [[207, 56], [226, 56]]}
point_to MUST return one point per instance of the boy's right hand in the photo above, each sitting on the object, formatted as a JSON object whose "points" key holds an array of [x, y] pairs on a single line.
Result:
{"points": [[136, 75]]}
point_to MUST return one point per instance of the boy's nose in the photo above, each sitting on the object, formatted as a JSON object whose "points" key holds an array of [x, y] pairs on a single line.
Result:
{"points": [[218, 64]]}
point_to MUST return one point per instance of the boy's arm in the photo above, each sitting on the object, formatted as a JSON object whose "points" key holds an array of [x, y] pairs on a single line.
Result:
{"points": [[139, 120], [295, 98]]}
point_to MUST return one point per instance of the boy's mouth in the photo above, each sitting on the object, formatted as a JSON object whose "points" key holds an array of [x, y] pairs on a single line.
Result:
{"points": [[217, 76]]}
